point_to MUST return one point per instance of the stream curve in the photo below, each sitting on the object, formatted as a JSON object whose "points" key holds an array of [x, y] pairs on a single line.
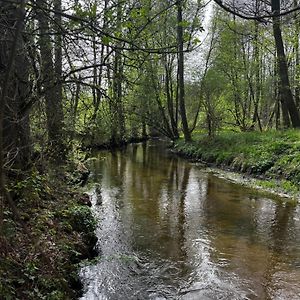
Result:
{"points": [[168, 229]]}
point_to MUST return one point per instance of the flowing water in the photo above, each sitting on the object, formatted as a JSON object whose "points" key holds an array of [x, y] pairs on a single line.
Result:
{"points": [[168, 229]]}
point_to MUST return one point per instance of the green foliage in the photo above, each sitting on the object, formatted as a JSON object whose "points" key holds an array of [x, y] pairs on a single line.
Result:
{"points": [[81, 218], [9, 226], [34, 182], [55, 221]]}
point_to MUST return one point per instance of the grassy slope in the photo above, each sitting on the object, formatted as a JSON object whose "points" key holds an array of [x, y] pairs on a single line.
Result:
{"points": [[275, 155]]}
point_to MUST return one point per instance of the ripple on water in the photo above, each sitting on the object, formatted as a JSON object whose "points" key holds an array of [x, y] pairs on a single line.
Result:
{"points": [[169, 230]]}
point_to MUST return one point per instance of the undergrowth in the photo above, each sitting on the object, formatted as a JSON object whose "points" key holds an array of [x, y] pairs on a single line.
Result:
{"points": [[41, 249]]}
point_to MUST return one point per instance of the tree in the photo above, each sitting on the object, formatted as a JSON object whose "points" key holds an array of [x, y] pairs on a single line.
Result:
{"points": [[14, 128], [50, 72], [181, 90], [284, 87], [287, 99]]}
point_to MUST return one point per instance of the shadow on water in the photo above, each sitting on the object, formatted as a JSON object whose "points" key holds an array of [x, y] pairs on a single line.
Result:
{"points": [[169, 230]]}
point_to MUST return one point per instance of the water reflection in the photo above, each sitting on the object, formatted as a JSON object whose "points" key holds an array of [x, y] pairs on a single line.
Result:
{"points": [[169, 230]]}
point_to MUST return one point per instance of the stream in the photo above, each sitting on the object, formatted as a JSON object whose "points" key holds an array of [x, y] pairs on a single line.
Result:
{"points": [[169, 229]]}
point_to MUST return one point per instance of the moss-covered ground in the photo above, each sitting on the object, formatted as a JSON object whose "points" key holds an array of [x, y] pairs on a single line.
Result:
{"points": [[273, 156], [40, 249]]}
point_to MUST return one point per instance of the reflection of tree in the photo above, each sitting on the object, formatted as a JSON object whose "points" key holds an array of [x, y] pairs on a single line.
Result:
{"points": [[113, 162], [114, 227], [181, 211], [143, 192], [144, 155], [228, 207], [116, 167], [134, 148], [167, 208], [150, 175], [278, 243], [241, 237], [172, 176], [133, 161]]}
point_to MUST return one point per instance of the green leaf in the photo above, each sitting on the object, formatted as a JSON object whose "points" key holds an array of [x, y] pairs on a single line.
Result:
{"points": [[106, 40]]}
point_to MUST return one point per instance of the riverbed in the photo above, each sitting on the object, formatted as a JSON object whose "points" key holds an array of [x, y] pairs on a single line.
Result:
{"points": [[169, 229]]}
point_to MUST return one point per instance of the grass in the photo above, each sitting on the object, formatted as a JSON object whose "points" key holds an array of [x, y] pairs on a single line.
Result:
{"points": [[271, 155]]}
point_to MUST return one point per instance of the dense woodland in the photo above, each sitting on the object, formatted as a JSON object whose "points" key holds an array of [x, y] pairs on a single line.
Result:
{"points": [[93, 73], [106, 71], [101, 72]]}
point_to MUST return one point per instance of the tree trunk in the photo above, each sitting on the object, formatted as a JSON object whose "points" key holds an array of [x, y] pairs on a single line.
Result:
{"points": [[58, 51], [12, 95], [257, 68], [181, 90], [118, 110], [285, 88], [54, 110], [170, 96], [15, 129], [297, 58]]}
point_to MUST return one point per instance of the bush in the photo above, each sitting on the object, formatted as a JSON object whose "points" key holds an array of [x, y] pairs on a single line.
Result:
{"points": [[81, 219]]}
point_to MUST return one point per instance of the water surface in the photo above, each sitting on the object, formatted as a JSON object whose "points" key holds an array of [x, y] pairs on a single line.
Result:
{"points": [[170, 230]]}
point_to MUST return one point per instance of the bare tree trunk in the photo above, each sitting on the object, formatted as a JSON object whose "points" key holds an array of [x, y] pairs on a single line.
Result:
{"points": [[10, 59], [206, 68], [103, 58], [257, 68], [297, 59], [209, 115], [118, 110], [170, 96], [95, 73], [144, 130], [181, 90], [54, 110], [15, 129], [58, 51], [285, 88], [285, 113], [167, 128]]}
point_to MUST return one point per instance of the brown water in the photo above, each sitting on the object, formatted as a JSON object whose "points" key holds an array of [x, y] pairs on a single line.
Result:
{"points": [[170, 230]]}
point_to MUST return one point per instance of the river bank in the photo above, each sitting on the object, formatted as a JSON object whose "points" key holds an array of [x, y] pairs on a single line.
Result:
{"points": [[41, 247], [88, 142], [271, 158]]}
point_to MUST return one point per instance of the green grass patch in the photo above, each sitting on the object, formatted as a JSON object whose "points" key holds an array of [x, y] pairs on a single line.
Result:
{"points": [[274, 154]]}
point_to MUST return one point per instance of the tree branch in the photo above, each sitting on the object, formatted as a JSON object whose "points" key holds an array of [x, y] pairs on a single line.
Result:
{"points": [[258, 18]]}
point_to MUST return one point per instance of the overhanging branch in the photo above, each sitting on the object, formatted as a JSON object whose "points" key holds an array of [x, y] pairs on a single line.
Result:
{"points": [[260, 18]]}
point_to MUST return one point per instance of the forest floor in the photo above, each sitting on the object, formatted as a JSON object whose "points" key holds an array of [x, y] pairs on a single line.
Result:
{"points": [[42, 246], [272, 157]]}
